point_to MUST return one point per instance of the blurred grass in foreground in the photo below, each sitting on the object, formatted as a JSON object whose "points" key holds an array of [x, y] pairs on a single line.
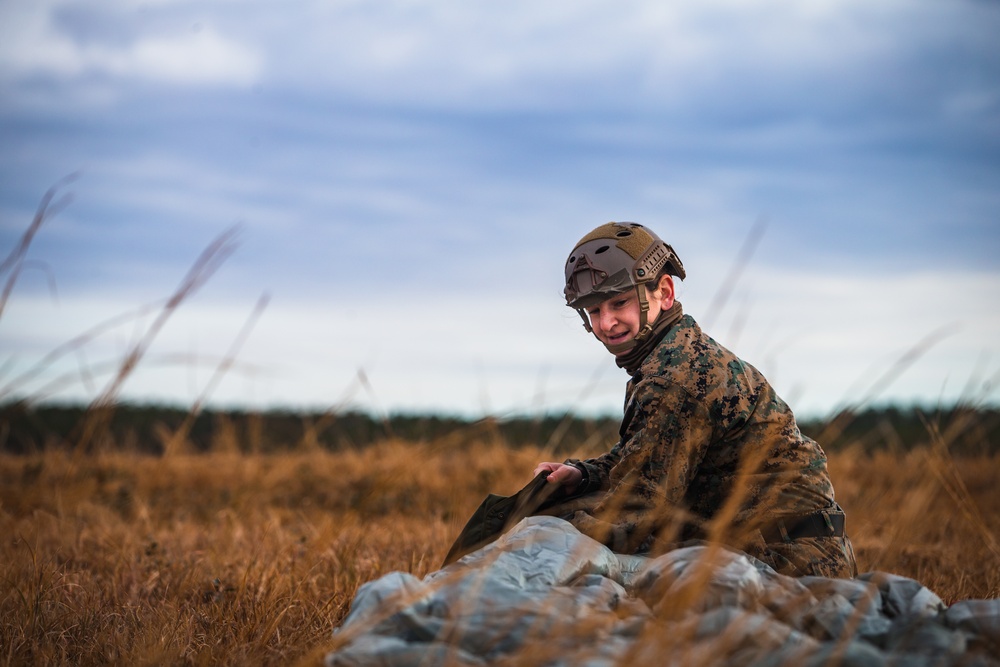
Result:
{"points": [[225, 557]]}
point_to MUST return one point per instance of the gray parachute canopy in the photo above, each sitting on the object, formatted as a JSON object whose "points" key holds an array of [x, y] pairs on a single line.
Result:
{"points": [[546, 594]]}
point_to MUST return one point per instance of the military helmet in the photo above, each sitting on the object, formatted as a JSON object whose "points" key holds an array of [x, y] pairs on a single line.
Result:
{"points": [[612, 259]]}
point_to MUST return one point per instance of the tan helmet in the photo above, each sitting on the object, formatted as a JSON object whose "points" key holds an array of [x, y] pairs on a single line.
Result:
{"points": [[612, 259]]}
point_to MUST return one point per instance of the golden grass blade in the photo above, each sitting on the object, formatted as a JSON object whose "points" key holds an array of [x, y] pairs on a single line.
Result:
{"points": [[14, 262], [180, 436], [207, 263]]}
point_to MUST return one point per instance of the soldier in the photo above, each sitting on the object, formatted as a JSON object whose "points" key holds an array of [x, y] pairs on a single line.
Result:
{"points": [[707, 450]]}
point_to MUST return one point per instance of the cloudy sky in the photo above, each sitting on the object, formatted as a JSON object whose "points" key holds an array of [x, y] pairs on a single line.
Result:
{"points": [[405, 179]]}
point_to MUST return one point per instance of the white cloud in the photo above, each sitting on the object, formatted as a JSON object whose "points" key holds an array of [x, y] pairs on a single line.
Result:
{"points": [[32, 44], [519, 54], [201, 57], [829, 338], [531, 55], [823, 340]]}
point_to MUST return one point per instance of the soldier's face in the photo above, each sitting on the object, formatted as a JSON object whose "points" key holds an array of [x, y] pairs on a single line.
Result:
{"points": [[616, 320]]}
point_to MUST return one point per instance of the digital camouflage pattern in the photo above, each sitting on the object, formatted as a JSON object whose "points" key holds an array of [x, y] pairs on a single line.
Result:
{"points": [[709, 451]]}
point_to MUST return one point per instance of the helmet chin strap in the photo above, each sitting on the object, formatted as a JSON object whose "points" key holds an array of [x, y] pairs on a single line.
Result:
{"points": [[645, 328]]}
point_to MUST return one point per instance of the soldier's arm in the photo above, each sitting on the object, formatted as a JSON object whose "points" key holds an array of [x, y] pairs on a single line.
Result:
{"points": [[663, 443], [595, 473]]}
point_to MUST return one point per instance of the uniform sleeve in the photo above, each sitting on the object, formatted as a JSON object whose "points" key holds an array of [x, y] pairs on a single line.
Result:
{"points": [[597, 471], [664, 438]]}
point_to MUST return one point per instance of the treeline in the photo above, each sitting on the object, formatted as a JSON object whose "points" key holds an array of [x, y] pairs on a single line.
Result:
{"points": [[156, 429], [153, 429]]}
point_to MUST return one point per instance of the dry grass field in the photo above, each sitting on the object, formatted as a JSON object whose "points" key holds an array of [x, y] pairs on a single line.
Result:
{"points": [[235, 558], [238, 556]]}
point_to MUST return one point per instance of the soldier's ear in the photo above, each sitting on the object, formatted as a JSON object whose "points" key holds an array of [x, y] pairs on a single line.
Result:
{"points": [[665, 291], [665, 285]]}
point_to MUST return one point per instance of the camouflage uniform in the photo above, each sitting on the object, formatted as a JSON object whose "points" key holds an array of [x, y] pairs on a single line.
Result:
{"points": [[709, 451]]}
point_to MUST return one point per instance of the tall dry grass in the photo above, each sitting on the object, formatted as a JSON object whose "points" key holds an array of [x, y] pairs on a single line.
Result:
{"points": [[228, 558]]}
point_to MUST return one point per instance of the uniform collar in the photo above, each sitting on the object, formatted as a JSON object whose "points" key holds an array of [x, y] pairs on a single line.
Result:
{"points": [[632, 359]]}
